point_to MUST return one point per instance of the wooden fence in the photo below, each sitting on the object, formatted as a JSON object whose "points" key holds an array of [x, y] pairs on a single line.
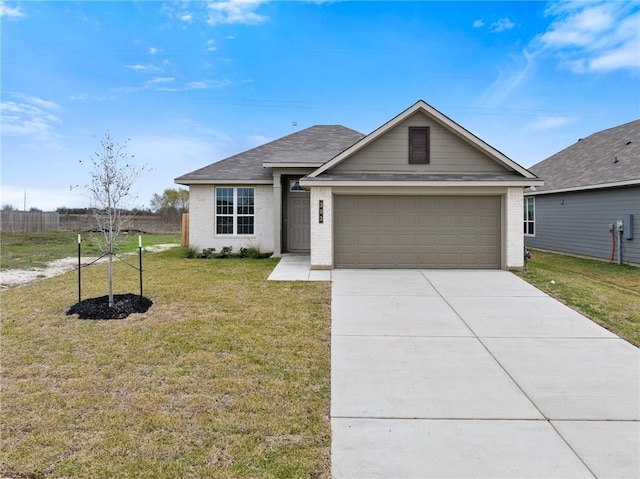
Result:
{"points": [[28, 221], [38, 221], [185, 229]]}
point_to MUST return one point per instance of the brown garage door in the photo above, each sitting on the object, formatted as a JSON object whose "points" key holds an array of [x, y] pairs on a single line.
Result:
{"points": [[417, 231]]}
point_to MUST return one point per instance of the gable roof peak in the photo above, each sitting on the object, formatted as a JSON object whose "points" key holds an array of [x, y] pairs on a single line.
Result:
{"points": [[439, 118]]}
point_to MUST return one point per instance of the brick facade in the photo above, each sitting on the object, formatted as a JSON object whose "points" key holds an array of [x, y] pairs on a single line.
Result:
{"points": [[202, 220], [321, 233], [514, 250]]}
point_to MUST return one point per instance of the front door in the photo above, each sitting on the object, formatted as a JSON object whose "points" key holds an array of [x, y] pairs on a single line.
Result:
{"points": [[298, 216]]}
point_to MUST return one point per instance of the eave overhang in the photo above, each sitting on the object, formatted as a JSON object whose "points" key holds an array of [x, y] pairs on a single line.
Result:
{"points": [[292, 165], [223, 182]]}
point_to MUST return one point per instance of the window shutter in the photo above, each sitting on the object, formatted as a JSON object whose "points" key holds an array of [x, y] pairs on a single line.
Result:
{"points": [[419, 144]]}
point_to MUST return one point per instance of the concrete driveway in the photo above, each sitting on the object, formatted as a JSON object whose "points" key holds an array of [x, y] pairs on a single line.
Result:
{"points": [[454, 374]]}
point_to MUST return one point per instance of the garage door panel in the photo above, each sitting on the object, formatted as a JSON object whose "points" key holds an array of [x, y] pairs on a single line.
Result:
{"points": [[447, 221], [417, 232], [489, 240], [490, 223]]}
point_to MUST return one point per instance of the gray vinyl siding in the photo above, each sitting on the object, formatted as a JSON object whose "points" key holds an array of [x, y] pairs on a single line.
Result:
{"points": [[448, 153], [578, 222]]}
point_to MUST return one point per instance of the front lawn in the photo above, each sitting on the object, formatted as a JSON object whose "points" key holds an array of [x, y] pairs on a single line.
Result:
{"points": [[226, 376], [29, 250], [607, 293]]}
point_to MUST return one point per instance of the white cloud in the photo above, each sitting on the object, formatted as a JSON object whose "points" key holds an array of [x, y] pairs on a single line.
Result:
{"points": [[29, 116], [509, 79], [10, 12], [624, 56], [137, 67], [143, 68], [162, 80], [211, 46], [594, 36], [215, 12], [234, 11], [198, 85], [478, 23], [584, 37], [154, 50], [502, 25], [549, 122]]}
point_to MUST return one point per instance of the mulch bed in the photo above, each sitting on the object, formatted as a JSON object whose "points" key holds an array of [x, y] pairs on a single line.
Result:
{"points": [[123, 306]]}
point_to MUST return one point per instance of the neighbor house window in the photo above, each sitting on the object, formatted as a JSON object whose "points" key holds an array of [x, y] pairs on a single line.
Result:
{"points": [[419, 144], [234, 211], [530, 216]]}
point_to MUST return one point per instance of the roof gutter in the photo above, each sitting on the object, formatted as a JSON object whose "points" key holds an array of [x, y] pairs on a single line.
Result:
{"points": [[310, 182], [616, 184], [188, 182]]}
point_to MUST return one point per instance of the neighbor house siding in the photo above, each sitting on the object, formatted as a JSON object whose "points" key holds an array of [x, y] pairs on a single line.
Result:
{"points": [[578, 222], [202, 210], [390, 152]]}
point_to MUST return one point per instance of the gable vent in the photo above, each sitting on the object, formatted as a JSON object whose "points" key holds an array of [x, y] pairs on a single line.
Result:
{"points": [[418, 144]]}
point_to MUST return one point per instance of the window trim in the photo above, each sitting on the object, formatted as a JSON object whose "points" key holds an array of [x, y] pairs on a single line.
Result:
{"points": [[415, 159], [235, 214], [526, 220]]}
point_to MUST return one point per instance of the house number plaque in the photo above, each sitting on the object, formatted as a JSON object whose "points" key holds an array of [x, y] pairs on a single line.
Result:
{"points": [[320, 211]]}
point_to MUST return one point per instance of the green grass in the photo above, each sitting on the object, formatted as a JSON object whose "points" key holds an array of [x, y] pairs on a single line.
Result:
{"points": [[25, 250], [607, 293], [226, 376]]}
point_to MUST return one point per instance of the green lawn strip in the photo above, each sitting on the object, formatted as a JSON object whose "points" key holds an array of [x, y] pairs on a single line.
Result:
{"points": [[607, 293], [227, 375], [28, 250]]}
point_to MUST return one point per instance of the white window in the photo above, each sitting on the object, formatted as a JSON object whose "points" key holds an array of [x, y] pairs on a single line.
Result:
{"points": [[529, 216], [235, 211]]}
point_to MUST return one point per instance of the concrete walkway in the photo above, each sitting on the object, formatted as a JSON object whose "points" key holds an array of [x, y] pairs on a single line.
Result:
{"points": [[296, 267], [475, 374]]}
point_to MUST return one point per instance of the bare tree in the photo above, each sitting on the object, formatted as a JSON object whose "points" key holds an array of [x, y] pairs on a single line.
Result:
{"points": [[112, 177]]}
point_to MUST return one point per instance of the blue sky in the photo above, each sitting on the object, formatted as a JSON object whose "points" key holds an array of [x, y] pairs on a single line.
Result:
{"points": [[191, 83]]}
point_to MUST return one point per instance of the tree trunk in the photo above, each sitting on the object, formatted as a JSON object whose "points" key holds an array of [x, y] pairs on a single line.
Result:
{"points": [[110, 279]]}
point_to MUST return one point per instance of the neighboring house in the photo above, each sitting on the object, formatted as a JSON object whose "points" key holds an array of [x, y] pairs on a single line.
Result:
{"points": [[418, 192], [588, 188]]}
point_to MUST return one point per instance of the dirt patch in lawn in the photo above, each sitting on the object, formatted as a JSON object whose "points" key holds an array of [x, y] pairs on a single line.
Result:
{"points": [[11, 278]]}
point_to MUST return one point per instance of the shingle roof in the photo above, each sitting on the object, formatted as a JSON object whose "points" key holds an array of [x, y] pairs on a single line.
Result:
{"points": [[314, 145], [608, 156]]}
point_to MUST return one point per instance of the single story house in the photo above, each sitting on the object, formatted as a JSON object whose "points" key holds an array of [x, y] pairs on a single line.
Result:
{"points": [[591, 191], [418, 192]]}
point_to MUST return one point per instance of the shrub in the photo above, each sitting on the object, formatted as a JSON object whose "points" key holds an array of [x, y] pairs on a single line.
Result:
{"points": [[254, 253], [208, 253], [226, 252]]}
